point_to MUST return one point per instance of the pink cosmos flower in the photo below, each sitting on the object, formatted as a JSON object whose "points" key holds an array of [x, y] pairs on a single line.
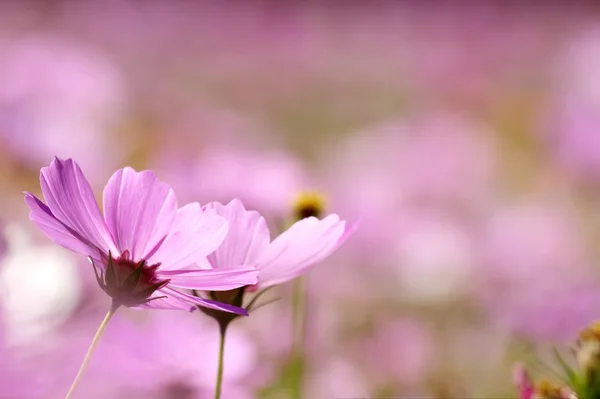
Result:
{"points": [[144, 246], [306, 243]]}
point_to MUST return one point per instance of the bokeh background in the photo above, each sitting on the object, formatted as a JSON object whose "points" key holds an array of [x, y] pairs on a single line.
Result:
{"points": [[464, 136]]}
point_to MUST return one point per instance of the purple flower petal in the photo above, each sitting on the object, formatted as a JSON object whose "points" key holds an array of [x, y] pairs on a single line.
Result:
{"points": [[45, 220], [195, 233], [211, 280], [194, 300], [139, 210], [71, 201], [306, 243], [164, 301], [248, 235]]}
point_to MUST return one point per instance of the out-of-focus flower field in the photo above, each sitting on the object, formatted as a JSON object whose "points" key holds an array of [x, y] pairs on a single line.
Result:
{"points": [[462, 137]]}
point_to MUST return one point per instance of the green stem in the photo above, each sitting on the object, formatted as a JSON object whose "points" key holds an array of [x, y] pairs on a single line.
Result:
{"points": [[298, 304], [298, 314], [219, 383], [90, 352]]}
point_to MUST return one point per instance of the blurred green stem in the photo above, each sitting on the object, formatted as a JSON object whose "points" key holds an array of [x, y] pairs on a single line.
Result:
{"points": [[298, 304], [90, 352], [219, 383]]}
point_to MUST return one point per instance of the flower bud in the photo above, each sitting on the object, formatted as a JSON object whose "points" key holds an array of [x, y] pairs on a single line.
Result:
{"points": [[545, 389], [588, 351]]}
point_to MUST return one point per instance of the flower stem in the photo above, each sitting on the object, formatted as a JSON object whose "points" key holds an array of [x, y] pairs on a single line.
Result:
{"points": [[297, 364], [90, 352], [219, 383]]}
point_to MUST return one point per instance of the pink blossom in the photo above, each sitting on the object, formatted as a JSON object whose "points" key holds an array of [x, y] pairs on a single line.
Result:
{"points": [[58, 96], [306, 243], [523, 382], [535, 250], [172, 355], [400, 351], [266, 180], [144, 246]]}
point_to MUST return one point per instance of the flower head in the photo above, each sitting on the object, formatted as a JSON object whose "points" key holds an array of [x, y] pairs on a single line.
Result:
{"points": [[306, 243], [145, 246]]}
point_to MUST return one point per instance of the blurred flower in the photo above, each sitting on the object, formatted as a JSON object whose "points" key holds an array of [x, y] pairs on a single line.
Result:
{"points": [[337, 377], [588, 352], [152, 240], [182, 362], [569, 122], [399, 352], [60, 97], [265, 180], [571, 131], [428, 160], [523, 382], [433, 258], [47, 271], [535, 251]]}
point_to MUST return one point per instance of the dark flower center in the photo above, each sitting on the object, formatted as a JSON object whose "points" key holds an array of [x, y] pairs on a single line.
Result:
{"points": [[127, 282]]}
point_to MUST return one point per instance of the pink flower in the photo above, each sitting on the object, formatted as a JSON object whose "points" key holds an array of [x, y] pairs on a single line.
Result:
{"points": [[306, 243], [523, 382], [39, 69], [144, 244], [267, 181]]}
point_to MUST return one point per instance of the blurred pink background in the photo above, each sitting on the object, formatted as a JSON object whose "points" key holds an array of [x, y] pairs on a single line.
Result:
{"points": [[464, 136]]}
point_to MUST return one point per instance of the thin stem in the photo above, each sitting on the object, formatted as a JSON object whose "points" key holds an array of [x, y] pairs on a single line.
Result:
{"points": [[298, 314], [88, 356], [219, 383], [298, 304]]}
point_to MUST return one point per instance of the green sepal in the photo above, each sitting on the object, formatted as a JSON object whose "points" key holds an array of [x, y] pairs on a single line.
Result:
{"points": [[153, 299], [110, 277], [99, 277], [146, 292], [131, 282], [251, 304]]}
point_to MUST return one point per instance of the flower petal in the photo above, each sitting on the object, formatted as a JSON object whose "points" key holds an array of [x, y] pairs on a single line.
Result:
{"points": [[195, 233], [248, 235], [163, 301], [306, 243], [211, 280], [139, 210], [45, 220], [179, 300], [71, 201]]}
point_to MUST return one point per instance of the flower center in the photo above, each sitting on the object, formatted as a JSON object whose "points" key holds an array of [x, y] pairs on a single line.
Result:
{"points": [[127, 282], [308, 204]]}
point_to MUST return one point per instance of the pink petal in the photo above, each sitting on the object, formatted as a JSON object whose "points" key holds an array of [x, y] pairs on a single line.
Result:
{"points": [[195, 233], [211, 280], [71, 201], [45, 220], [167, 303], [179, 300], [306, 243], [248, 235], [139, 210]]}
